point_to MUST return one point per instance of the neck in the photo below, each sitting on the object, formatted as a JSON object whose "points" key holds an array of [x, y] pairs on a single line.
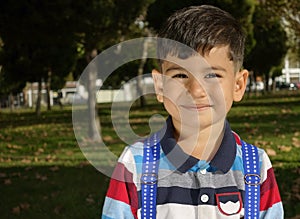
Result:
{"points": [[204, 143]]}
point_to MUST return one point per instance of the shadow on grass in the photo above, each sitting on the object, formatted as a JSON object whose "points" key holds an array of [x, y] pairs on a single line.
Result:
{"points": [[52, 192], [289, 185], [78, 192], [20, 118]]}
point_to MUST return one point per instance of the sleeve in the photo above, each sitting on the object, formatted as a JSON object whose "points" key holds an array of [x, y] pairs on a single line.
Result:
{"points": [[270, 202], [121, 201]]}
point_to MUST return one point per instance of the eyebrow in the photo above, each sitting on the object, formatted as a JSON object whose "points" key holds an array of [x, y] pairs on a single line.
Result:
{"points": [[216, 67], [172, 68]]}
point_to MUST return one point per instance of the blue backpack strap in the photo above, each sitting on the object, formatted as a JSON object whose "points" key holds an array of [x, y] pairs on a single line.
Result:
{"points": [[252, 181], [149, 177]]}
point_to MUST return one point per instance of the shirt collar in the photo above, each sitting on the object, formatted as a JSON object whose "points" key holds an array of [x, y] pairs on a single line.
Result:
{"points": [[223, 159]]}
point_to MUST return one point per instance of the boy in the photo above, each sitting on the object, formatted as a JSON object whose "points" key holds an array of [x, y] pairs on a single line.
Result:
{"points": [[200, 170]]}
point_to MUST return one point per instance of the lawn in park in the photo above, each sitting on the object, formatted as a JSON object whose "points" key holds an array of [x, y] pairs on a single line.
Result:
{"points": [[43, 173]]}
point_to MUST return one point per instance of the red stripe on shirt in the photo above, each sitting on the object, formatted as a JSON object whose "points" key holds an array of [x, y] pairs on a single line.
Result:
{"points": [[269, 192], [122, 188], [237, 138]]}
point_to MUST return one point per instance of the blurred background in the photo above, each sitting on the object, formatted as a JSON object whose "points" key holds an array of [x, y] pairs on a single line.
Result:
{"points": [[46, 45]]}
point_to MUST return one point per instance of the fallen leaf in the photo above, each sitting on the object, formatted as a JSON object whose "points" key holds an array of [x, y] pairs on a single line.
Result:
{"points": [[107, 138], [285, 148], [3, 175], [57, 209], [16, 210], [261, 143], [285, 111], [24, 206], [25, 160], [69, 153], [54, 194], [18, 174], [28, 168], [53, 169], [7, 181], [90, 200], [40, 177], [13, 146], [296, 142], [271, 152]]}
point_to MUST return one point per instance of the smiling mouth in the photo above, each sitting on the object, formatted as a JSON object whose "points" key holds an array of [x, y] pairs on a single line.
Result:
{"points": [[196, 107]]}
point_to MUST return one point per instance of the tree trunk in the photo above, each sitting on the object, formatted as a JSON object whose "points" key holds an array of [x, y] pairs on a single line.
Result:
{"points": [[39, 99], [48, 88], [250, 79], [255, 83], [273, 84], [94, 121], [140, 74], [267, 77], [11, 102]]}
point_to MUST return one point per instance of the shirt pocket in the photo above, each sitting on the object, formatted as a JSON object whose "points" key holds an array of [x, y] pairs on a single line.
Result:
{"points": [[229, 203]]}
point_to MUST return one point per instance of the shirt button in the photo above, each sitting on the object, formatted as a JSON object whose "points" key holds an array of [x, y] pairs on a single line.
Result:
{"points": [[204, 198], [203, 171]]}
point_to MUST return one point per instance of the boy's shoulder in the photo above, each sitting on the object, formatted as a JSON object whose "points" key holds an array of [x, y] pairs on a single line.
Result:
{"points": [[135, 149], [261, 151]]}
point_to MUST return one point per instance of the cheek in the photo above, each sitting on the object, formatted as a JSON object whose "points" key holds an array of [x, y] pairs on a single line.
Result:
{"points": [[171, 108], [174, 95], [228, 97], [174, 92], [221, 97]]}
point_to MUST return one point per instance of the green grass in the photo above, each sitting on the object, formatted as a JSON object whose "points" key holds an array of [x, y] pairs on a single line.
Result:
{"points": [[272, 124], [43, 173]]}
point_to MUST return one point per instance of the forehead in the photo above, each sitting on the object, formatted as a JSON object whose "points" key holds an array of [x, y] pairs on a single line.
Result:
{"points": [[216, 59]]}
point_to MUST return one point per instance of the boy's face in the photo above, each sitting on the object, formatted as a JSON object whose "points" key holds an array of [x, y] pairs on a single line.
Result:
{"points": [[199, 91]]}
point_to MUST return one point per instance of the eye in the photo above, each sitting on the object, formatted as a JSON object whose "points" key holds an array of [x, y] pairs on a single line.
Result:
{"points": [[212, 75], [180, 75]]}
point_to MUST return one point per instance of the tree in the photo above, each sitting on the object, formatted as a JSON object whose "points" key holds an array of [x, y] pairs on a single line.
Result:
{"points": [[36, 35], [288, 10], [270, 47], [11, 61], [98, 25]]}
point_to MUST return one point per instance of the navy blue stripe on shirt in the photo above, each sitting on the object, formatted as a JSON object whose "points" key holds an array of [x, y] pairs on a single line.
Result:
{"points": [[188, 196]]}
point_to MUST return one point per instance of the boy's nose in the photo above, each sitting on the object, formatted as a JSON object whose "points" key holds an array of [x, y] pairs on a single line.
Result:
{"points": [[196, 89]]}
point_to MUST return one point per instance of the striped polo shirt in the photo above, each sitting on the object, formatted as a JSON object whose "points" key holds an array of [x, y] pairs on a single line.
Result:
{"points": [[188, 187]]}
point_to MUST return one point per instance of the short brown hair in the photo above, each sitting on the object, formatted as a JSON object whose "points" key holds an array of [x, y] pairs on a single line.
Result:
{"points": [[202, 28]]}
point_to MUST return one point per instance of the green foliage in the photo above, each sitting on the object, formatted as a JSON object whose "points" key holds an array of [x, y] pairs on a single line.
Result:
{"points": [[271, 39], [288, 10], [50, 36], [100, 23], [37, 40]]}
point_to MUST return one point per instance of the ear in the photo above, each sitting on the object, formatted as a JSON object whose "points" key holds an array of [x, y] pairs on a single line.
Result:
{"points": [[240, 84], [158, 84]]}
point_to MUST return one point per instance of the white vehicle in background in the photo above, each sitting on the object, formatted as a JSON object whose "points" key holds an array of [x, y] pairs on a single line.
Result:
{"points": [[258, 86], [71, 97]]}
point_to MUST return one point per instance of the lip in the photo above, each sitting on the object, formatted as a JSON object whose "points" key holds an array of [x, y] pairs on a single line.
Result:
{"points": [[197, 107]]}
